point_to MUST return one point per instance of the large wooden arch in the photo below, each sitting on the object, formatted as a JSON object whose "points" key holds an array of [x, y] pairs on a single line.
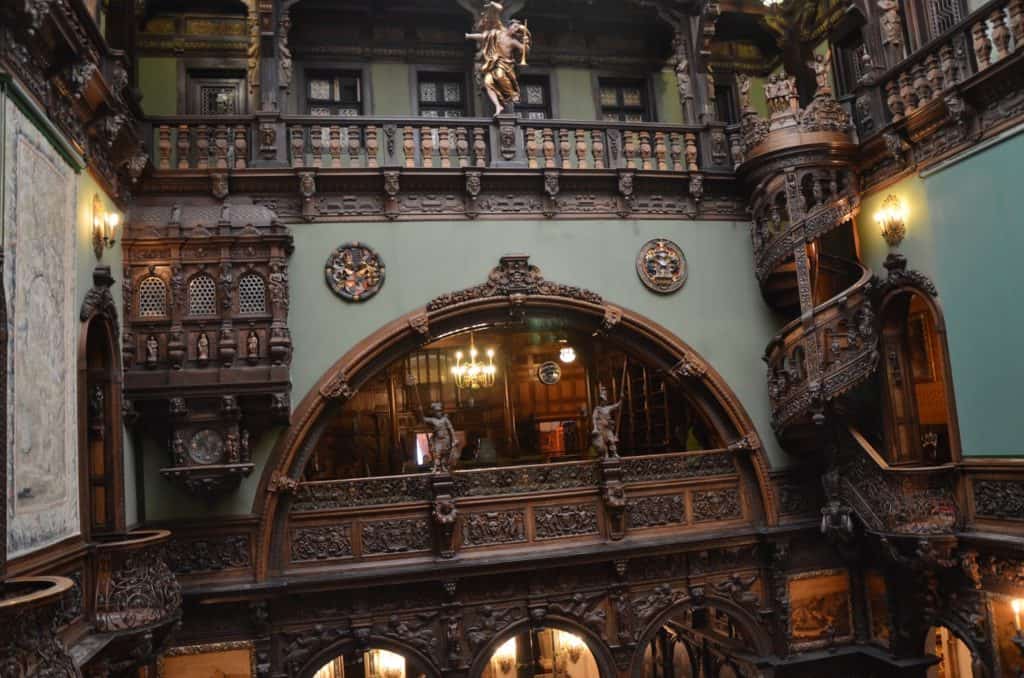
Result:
{"points": [[513, 287], [596, 644]]}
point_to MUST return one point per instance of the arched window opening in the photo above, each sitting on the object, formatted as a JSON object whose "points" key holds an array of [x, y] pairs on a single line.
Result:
{"points": [[202, 296], [955, 659], [152, 298], [542, 653], [694, 643], [918, 387], [547, 381], [252, 295], [373, 663]]}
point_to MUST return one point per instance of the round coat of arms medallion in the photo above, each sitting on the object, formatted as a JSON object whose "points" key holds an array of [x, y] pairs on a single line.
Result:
{"points": [[354, 271], [661, 266]]}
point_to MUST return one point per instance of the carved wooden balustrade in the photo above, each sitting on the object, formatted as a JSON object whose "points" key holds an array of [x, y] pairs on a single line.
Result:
{"points": [[571, 503], [135, 589], [230, 142], [988, 36]]}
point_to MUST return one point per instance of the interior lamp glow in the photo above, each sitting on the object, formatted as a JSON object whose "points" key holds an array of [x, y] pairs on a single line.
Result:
{"points": [[892, 220], [573, 645], [1018, 606], [505, 655], [567, 354], [391, 665]]}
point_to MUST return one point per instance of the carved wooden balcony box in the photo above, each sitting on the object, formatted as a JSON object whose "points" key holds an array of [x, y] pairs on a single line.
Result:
{"points": [[135, 589], [28, 646]]}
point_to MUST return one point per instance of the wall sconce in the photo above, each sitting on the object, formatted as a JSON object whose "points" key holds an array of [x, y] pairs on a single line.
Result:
{"points": [[505, 656], [104, 227], [567, 354], [892, 220]]}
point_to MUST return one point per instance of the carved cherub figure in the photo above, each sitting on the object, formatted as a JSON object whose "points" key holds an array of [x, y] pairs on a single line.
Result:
{"points": [[501, 47], [603, 434]]}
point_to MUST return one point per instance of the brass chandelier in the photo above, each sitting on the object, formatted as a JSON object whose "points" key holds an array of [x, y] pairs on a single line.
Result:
{"points": [[474, 374]]}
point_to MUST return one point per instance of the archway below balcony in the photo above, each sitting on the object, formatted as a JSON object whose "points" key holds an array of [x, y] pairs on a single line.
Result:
{"points": [[553, 647], [377, 657], [514, 293]]}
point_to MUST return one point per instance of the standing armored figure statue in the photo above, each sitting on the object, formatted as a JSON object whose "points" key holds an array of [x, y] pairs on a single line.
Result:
{"points": [[603, 434], [501, 49], [442, 438]]}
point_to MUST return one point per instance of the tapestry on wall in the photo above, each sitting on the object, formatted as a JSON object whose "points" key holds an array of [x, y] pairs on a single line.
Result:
{"points": [[39, 232]]}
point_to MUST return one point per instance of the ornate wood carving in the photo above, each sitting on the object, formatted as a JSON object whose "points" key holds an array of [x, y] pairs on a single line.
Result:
{"points": [[677, 466], [209, 554], [556, 522], [720, 504], [395, 536], [1001, 499], [523, 479], [655, 511], [335, 494], [493, 527], [327, 542], [134, 586]]}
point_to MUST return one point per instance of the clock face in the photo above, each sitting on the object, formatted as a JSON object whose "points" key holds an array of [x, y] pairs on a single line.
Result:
{"points": [[549, 373], [354, 272], [206, 447]]}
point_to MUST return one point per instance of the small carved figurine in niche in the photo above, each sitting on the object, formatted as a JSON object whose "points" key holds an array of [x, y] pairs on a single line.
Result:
{"points": [[152, 350], [284, 52], [501, 47], [442, 437], [603, 435], [232, 447], [178, 289], [178, 449], [246, 453], [175, 214], [744, 86], [821, 65], [891, 23], [203, 348], [225, 213], [96, 399], [252, 347]]}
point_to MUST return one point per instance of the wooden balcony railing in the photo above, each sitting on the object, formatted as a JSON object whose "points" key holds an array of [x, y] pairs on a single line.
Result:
{"points": [[299, 141], [135, 589], [989, 35]]}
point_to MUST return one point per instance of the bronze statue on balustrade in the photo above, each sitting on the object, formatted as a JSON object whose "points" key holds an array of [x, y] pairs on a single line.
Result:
{"points": [[442, 438], [604, 435], [501, 48]]}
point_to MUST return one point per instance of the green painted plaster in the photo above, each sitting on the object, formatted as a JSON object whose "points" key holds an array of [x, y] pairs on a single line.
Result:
{"points": [[757, 101], [575, 94], [719, 311], [390, 83], [666, 97], [962, 231], [158, 82]]}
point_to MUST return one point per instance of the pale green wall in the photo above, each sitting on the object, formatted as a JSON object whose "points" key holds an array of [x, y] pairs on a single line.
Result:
{"points": [[666, 97], [87, 188], [391, 94], [964, 232], [719, 311], [757, 101], [575, 94], [158, 82]]}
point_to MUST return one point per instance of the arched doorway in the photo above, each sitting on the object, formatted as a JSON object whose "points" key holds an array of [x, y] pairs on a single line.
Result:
{"points": [[955, 658], [919, 410], [99, 393], [713, 639], [377, 658], [372, 663], [515, 299], [542, 653]]}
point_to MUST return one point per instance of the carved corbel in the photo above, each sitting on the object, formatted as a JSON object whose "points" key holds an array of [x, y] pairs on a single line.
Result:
{"points": [[219, 185], [612, 317], [747, 443], [337, 388], [282, 484], [687, 368], [613, 494], [109, 127], [136, 165], [392, 187], [421, 324], [473, 186], [896, 146], [307, 189], [78, 76], [444, 514], [626, 190], [551, 189], [697, 187]]}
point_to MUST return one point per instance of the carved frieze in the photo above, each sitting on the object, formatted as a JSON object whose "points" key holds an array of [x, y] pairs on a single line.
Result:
{"points": [[524, 479], [1001, 499], [209, 554], [334, 494], [718, 504], [676, 466], [395, 536], [556, 522], [325, 542], [494, 527], [655, 511]]}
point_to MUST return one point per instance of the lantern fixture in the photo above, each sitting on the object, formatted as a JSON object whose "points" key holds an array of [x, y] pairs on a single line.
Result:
{"points": [[104, 227]]}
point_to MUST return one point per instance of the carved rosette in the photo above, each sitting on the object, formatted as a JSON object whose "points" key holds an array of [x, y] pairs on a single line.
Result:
{"points": [[135, 589]]}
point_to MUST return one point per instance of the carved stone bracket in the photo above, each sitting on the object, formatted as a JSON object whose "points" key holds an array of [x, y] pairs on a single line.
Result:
{"points": [[613, 494], [98, 300], [687, 368], [337, 388], [899, 276]]}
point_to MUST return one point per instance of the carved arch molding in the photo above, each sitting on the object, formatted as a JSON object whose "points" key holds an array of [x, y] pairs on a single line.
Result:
{"points": [[514, 287]]}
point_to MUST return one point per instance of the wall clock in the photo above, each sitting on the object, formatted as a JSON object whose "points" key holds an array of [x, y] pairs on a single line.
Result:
{"points": [[354, 271], [661, 266], [206, 447], [549, 373]]}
